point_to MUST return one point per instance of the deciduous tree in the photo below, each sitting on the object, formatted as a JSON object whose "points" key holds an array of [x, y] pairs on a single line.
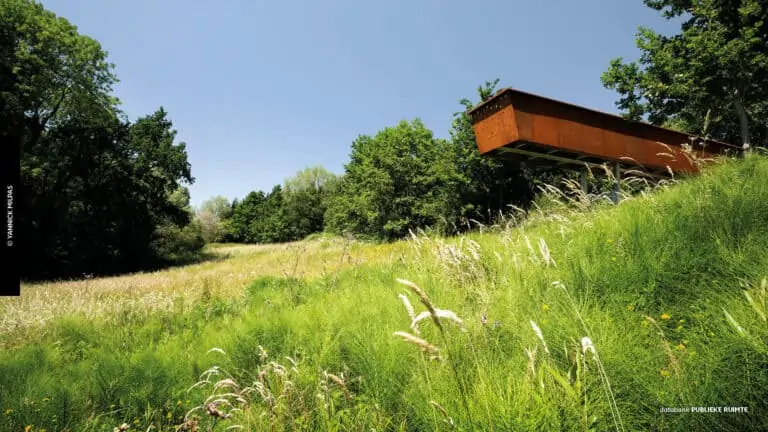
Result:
{"points": [[713, 72]]}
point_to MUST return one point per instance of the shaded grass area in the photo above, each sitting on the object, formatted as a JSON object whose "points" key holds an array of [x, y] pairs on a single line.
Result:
{"points": [[648, 283]]}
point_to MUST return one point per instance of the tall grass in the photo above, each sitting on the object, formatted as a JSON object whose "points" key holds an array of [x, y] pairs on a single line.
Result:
{"points": [[580, 315]]}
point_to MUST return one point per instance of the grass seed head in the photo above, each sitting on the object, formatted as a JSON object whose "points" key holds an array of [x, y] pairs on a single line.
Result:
{"points": [[421, 343], [531, 354], [451, 316], [448, 419], [424, 300], [416, 319], [587, 345], [537, 330], [408, 306]]}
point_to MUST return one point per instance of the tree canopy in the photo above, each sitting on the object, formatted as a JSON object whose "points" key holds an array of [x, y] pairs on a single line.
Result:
{"points": [[98, 194], [714, 72], [402, 178], [306, 200]]}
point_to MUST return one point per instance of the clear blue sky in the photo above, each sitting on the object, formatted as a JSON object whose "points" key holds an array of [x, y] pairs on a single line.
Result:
{"points": [[261, 89]]}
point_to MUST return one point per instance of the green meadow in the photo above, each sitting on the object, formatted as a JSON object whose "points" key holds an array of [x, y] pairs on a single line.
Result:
{"points": [[575, 316]]}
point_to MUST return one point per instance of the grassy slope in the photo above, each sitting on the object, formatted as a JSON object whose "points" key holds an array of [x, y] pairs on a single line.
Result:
{"points": [[647, 281]]}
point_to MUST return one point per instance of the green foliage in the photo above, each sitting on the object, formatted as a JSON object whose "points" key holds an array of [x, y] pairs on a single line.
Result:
{"points": [[306, 200], [212, 218], [488, 186], [403, 179], [243, 213], [218, 206], [174, 243], [178, 238], [96, 191], [57, 73], [259, 218], [400, 179], [677, 256], [160, 165], [714, 72]]}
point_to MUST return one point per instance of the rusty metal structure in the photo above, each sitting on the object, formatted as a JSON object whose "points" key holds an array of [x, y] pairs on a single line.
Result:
{"points": [[542, 132]]}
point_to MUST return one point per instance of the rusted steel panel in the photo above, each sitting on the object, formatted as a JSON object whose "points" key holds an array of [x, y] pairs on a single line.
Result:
{"points": [[512, 117], [497, 130]]}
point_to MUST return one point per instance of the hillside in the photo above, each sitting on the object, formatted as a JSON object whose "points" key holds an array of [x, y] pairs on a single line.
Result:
{"points": [[666, 287]]}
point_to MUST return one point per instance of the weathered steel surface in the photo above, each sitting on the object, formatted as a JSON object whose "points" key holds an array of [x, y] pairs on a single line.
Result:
{"points": [[531, 125]]}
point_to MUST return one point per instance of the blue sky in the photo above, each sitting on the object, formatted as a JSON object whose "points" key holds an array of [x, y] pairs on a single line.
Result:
{"points": [[259, 90]]}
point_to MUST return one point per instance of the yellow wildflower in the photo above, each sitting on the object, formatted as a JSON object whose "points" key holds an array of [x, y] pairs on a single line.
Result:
{"points": [[630, 307], [665, 316], [664, 373], [545, 307]]}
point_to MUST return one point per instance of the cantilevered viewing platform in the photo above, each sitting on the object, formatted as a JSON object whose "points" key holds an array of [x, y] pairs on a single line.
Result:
{"points": [[538, 131]]}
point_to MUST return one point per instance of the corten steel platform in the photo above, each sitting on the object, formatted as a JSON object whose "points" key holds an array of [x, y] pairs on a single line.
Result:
{"points": [[523, 127]]}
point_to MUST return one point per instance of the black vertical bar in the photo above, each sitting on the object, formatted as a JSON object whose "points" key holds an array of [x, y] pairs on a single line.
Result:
{"points": [[10, 171]]}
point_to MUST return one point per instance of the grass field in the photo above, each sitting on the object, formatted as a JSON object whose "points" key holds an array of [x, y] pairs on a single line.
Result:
{"points": [[572, 319]]}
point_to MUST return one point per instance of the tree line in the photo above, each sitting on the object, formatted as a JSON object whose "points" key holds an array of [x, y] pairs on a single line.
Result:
{"points": [[400, 179], [102, 194], [97, 193]]}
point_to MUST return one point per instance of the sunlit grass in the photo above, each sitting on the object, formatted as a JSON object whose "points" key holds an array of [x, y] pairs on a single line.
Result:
{"points": [[576, 317], [233, 268]]}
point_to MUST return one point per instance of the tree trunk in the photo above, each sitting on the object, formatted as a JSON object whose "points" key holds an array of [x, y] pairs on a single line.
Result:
{"points": [[743, 121]]}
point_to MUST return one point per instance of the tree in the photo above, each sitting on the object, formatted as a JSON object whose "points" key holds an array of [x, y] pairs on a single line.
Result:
{"points": [[272, 226], [311, 178], [243, 213], [80, 212], [713, 73], [160, 164], [488, 186], [306, 198], [402, 178], [212, 217], [58, 73], [259, 218], [218, 206], [97, 194], [173, 240]]}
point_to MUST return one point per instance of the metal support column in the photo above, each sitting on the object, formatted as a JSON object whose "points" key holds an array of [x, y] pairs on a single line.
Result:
{"points": [[616, 195]]}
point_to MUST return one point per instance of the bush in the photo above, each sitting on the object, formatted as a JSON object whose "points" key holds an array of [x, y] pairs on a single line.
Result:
{"points": [[172, 243]]}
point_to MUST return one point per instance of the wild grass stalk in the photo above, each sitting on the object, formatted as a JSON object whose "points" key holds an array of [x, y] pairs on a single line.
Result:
{"points": [[436, 314]]}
